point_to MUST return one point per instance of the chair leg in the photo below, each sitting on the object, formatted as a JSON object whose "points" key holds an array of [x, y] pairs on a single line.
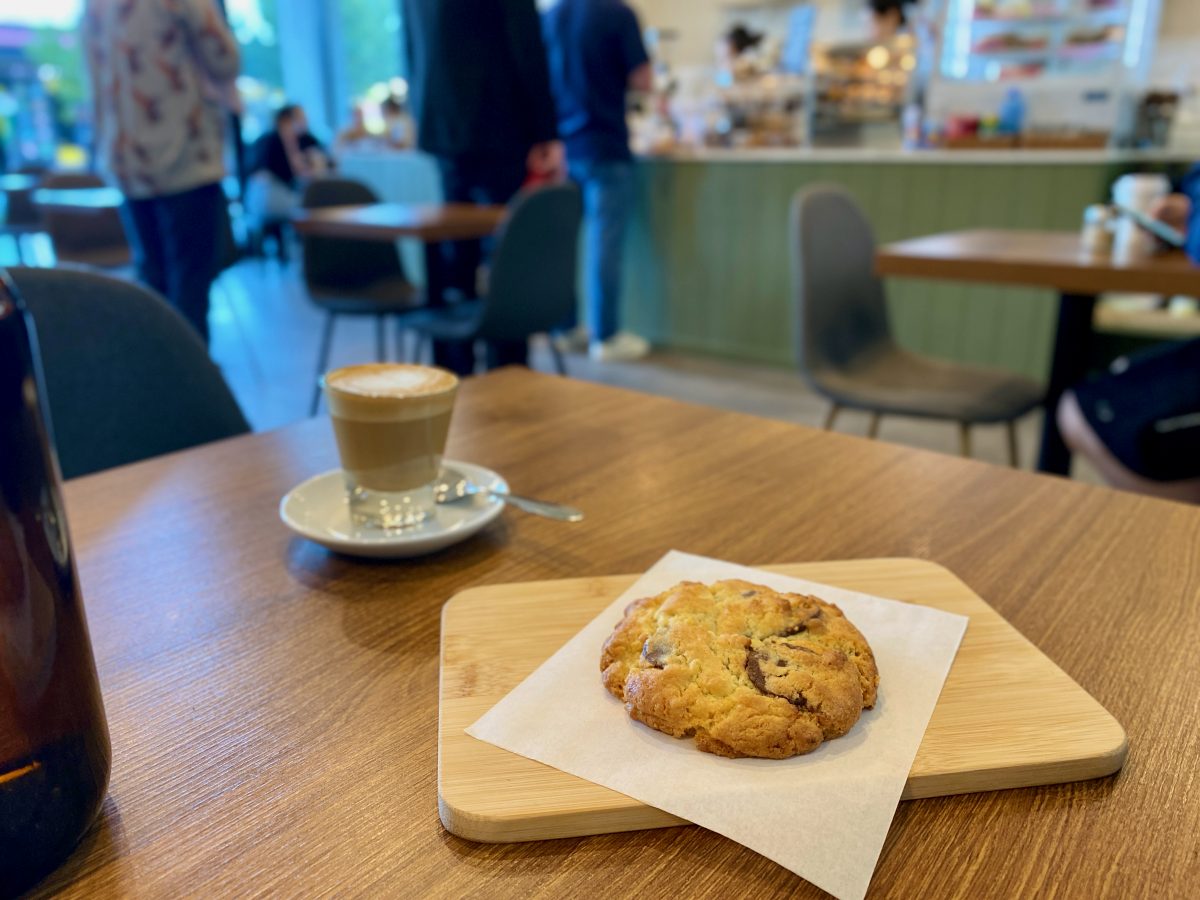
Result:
{"points": [[559, 365], [873, 425], [322, 361], [381, 338], [964, 439], [1014, 458], [830, 416], [401, 344]]}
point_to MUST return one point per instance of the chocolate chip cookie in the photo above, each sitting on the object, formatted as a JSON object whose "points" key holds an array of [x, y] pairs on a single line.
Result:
{"points": [[744, 670]]}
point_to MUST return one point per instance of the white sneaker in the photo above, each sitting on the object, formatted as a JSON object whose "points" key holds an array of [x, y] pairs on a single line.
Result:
{"points": [[623, 346], [573, 341]]}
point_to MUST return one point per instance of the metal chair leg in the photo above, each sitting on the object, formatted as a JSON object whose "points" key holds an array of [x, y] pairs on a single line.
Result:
{"points": [[1014, 457], [964, 439], [559, 365], [830, 416], [322, 361], [873, 425], [381, 338]]}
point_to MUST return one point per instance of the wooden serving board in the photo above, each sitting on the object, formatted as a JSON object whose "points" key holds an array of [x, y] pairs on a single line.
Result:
{"points": [[1007, 716]]}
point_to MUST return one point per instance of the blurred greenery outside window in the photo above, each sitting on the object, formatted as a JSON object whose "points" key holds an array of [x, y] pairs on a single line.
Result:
{"points": [[45, 99], [368, 57], [45, 105], [255, 25]]}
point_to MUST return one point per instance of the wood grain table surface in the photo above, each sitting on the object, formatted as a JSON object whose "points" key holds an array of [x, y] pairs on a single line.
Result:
{"points": [[273, 707], [1051, 259], [391, 221]]}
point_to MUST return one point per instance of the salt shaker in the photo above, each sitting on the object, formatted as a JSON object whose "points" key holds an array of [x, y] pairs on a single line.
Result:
{"points": [[1097, 237]]}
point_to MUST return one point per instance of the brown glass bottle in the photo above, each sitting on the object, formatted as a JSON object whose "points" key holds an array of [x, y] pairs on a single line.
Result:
{"points": [[54, 750]]}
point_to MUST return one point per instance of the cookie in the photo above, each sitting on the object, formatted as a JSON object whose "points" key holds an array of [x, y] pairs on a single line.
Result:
{"points": [[742, 669]]}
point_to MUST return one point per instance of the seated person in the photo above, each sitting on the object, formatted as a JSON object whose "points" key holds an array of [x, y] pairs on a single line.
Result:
{"points": [[1139, 424], [397, 124], [354, 134], [280, 161]]}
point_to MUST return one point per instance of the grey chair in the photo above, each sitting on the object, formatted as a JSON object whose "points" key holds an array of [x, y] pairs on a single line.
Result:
{"points": [[531, 281], [88, 237], [126, 377], [844, 343], [348, 277]]}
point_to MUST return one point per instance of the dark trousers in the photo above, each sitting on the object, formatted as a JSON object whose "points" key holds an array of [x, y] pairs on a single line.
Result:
{"points": [[178, 243], [485, 179]]}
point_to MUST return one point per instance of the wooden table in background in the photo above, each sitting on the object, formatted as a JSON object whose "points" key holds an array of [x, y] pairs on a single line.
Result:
{"points": [[273, 707], [429, 223], [1049, 259], [392, 221], [82, 201], [14, 182]]}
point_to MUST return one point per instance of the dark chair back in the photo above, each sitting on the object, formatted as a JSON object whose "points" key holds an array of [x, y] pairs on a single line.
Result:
{"points": [[531, 286], [78, 236], [126, 377], [839, 304], [342, 263]]}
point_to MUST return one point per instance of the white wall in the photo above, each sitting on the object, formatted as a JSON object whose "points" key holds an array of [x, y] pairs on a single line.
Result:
{"points": [[1177, 60]]}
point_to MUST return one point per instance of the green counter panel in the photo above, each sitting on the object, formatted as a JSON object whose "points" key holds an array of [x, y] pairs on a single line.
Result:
{"points": [[708, 259]]}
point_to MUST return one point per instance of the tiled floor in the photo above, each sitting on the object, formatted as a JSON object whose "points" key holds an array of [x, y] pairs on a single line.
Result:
{"points": [[265, 337]]}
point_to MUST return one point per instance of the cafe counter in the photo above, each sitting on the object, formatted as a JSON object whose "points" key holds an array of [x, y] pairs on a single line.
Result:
{"points": [[708, 257]]}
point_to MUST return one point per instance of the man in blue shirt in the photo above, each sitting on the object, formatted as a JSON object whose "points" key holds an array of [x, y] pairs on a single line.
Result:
{"points": [[596, 55]]}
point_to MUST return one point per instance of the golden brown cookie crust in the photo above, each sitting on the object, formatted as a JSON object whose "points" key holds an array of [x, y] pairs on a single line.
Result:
{"points": [[743, 669]]}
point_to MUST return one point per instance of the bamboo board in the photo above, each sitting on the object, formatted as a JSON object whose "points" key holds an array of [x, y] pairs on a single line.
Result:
{"points": [[1007, 717]]}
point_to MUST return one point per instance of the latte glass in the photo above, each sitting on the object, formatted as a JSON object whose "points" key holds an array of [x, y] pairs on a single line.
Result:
{"points": [[391, 422]]}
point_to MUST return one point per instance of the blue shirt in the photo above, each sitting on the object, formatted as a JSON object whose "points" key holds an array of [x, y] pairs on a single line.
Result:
{"points": [[1191, 187], [593, 47]]}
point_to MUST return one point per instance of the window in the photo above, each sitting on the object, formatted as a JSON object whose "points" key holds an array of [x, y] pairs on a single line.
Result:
{"points": [[45, 113], [254, 24], [368, 49]]}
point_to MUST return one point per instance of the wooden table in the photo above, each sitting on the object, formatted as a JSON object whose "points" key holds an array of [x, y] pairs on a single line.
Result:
{"points": [[1050, 259], [273, 707], [93, 200], [15, 182], [392, 221]]}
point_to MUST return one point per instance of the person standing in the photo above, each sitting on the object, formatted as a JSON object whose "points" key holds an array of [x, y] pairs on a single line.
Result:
{"points": [[596, 55], [159, 70], [480, 95]]}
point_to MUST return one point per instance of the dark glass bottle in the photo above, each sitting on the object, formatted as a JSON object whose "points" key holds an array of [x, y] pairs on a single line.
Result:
{"points": [[54, 750]]}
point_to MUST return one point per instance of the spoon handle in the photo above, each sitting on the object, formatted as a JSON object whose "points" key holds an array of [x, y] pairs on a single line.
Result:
{"points": [[540, 507]]}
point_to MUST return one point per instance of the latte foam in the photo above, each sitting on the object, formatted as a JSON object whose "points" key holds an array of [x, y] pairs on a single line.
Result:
{"points": [[391, 380]]}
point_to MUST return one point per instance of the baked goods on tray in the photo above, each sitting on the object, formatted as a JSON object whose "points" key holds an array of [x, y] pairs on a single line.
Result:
{"points": [[743, 669]]}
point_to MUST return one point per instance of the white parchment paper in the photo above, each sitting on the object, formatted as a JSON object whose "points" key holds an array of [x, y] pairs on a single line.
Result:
{"points": [[562, 716]]}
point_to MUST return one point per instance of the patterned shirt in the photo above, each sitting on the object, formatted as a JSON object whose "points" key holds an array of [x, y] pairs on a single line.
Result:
{"points": [[159, 68]]}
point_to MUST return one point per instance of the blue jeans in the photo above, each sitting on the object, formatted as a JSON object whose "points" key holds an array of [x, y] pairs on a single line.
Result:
{"points": [[607, 198], [178, 242]]}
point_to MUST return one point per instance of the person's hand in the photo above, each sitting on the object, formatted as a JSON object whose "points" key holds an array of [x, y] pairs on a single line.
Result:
{"points": [[548, 161], [1174, 210]]}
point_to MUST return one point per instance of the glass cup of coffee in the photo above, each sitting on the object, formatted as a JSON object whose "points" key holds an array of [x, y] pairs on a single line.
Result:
{"points": [[391, 422]]}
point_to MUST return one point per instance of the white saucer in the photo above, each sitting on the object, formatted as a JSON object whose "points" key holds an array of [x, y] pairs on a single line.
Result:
{"points": [[319, 511]]}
